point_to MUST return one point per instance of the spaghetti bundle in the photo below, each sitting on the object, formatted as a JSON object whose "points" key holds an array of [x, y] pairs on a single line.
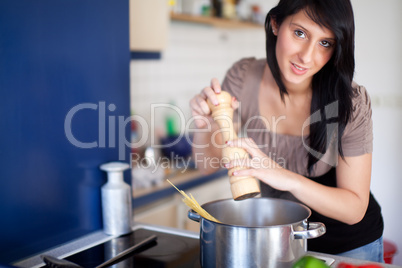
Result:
{"points": [[193, 204]]}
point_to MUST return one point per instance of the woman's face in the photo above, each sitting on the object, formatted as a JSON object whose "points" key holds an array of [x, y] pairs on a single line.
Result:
{"points": [[302, 49]]}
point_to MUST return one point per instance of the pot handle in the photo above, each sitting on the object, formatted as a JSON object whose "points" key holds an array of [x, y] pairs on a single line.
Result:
{"points": [[192, 215], [312, 230]]}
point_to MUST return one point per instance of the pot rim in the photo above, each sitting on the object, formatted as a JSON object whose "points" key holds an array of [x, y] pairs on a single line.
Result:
{"points": [[259, 227]]}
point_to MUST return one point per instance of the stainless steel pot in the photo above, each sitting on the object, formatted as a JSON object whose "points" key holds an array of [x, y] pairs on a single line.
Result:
{"points": [[256, 232]]}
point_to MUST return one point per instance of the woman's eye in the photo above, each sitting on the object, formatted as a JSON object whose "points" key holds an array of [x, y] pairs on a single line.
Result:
{"points": [[325, 44], [300, 34]]}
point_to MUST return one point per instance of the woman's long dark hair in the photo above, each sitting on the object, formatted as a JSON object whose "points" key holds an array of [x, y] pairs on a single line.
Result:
{"points": [[333, 83]]}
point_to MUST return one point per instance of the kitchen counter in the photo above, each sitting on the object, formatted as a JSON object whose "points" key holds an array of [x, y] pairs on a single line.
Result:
{"points": [[183, 180], [339, 260], [99, 237]]}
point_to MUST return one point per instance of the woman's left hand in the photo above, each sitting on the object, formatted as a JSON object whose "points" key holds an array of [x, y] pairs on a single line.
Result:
{"points": [[259, 165]]}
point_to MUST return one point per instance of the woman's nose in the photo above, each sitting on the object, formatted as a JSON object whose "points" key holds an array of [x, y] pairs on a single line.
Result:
{"points": [[306, 53]]}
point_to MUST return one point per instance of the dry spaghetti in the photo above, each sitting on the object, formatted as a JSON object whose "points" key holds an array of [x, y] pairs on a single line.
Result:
{"points": [[193, 204]]}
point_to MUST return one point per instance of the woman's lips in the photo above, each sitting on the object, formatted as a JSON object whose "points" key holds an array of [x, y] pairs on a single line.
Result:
{"points": [[297, 69]]}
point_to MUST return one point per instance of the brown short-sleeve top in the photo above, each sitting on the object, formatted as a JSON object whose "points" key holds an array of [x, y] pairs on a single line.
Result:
{"points": [[243, 81]]}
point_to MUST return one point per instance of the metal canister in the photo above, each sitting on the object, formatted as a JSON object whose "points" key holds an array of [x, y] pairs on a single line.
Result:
{"points": [[116, 200]]}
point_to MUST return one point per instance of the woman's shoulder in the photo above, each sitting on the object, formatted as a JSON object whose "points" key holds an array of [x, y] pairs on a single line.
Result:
{"points": [[361, 100], [358, 135], [241, 66], [359, 90], [238, 72], [244, 64]]}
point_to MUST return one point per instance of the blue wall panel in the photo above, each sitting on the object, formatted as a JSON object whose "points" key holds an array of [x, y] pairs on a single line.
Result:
{"points": [[56, 56]]}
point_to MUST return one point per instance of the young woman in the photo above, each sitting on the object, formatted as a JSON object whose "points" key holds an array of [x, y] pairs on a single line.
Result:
{"points": [[306, 122]]}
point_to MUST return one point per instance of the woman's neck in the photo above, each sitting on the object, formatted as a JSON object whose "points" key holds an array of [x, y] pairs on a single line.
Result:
{"points": [[285, 115]]}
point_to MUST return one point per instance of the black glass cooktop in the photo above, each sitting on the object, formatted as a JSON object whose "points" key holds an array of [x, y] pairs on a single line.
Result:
{"points": [[169, 250]]}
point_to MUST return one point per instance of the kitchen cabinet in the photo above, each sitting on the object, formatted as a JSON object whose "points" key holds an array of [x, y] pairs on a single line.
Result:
{"points": [[149, 21], [149, 24], [172, 212]]}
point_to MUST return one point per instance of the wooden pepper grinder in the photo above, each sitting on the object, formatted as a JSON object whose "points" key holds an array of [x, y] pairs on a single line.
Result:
{"points": [[242, 187]]}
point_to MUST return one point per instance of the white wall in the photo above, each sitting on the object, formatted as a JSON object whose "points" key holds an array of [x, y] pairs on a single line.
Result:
{"points": [[195, 54], [378, 67]]}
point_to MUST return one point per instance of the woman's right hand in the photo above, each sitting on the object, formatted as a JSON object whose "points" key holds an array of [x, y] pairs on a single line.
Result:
{"points": [[199, 106]]}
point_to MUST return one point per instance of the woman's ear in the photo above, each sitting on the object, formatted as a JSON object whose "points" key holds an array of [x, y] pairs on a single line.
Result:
{"points": [[274, 26]]}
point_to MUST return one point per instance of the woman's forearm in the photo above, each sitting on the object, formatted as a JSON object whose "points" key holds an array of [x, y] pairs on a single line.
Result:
{"points": [[336, 203]]}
